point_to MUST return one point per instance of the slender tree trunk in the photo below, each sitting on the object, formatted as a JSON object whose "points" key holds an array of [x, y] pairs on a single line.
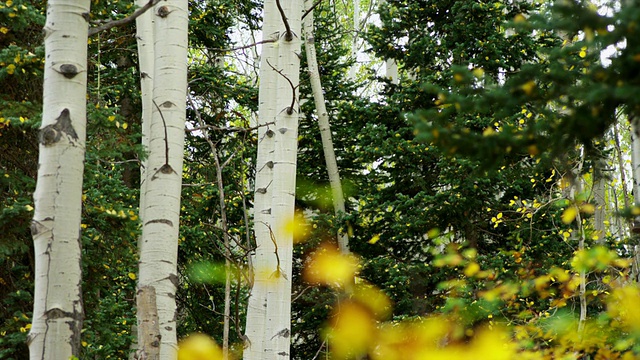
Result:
{"points": [[325, 128], [634, 120], [599, 196], [622, 169], [268, 318], [159, 245], [148, 330], [58, 309], [354, 43]]}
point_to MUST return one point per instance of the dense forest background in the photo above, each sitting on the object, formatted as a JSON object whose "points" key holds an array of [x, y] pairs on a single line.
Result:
{"points": [[486, 156]]}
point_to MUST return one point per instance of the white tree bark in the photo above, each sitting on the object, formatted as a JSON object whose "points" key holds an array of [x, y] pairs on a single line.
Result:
{"points": [[391, 69], [159, 244], [58, 310], [325, 128], [148, 330], [268, 327], [144, 37], [354, 42]]}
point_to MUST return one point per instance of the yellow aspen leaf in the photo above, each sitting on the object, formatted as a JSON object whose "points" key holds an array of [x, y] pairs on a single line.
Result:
{"points": [[471, 269], [518, 19], [199, 347], [569, 215], [528, 87], [478, 72], [132, 276], [11, 69], [488, 131], [125, 125], [351, 330], [298, 227], [374, 299], [587, 208], [374, 239], [329, 267]]}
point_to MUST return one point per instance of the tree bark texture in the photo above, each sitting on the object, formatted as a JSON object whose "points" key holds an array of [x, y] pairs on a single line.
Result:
{"points": [[160, 229], [58, 308], [268, 327]]}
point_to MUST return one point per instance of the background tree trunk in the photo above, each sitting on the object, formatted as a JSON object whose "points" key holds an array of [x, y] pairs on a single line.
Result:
{"points": [[159, 245], [325, 128], [58, 309]]}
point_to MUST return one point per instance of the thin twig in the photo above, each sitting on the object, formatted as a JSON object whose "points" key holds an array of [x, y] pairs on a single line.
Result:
{"points": [[288, 36], [293, 88], [242, 47], [310, 9], [128, 19], [166, 136], [229, 129]]}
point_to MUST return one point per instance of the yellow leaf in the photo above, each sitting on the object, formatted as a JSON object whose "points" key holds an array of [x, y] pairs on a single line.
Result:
{"points": [[478, 72], [528, 87], [132, 276], [11, 69], [569, 215], [374, 299], [28, 207], [125, 125], [111, 117], [329, 267], [519, 19], [472, 269], [199, 347], [374, 239], [351, 330], [297, 227], [588, 208]]}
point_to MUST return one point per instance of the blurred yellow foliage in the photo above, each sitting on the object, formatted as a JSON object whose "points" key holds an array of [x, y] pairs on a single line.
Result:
{"points": [[199, 347]]}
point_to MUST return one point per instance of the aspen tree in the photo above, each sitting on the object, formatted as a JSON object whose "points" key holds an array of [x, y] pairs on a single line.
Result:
{"points": [[161, 213], [268, 330], [58, 309]]}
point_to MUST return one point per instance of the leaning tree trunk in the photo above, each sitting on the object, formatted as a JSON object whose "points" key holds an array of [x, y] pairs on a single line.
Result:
{"points": [[268, 327], [58, 310], [159, 244], [325, 128]]}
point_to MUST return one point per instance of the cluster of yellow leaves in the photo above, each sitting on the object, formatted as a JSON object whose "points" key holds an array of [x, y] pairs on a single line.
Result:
{"points": [[357, 325]]}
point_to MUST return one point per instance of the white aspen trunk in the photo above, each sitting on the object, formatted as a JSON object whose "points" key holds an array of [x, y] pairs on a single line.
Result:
{"points": [[144, 37], [325, 128], [148, 331], [58, 310], [391, 69], [268, 327], [159, 244], [354, 43]]}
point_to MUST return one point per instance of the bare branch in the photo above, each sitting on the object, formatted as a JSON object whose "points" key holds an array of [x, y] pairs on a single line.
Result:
{"points": [[310, 9], [124, 21], [242, 47], [293, 88], [288, 36], [229, 129]]}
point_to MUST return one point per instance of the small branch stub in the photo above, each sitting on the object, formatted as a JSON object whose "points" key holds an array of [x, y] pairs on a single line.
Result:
{"points": [[163, 11], [68, 70], [52, 133]]}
